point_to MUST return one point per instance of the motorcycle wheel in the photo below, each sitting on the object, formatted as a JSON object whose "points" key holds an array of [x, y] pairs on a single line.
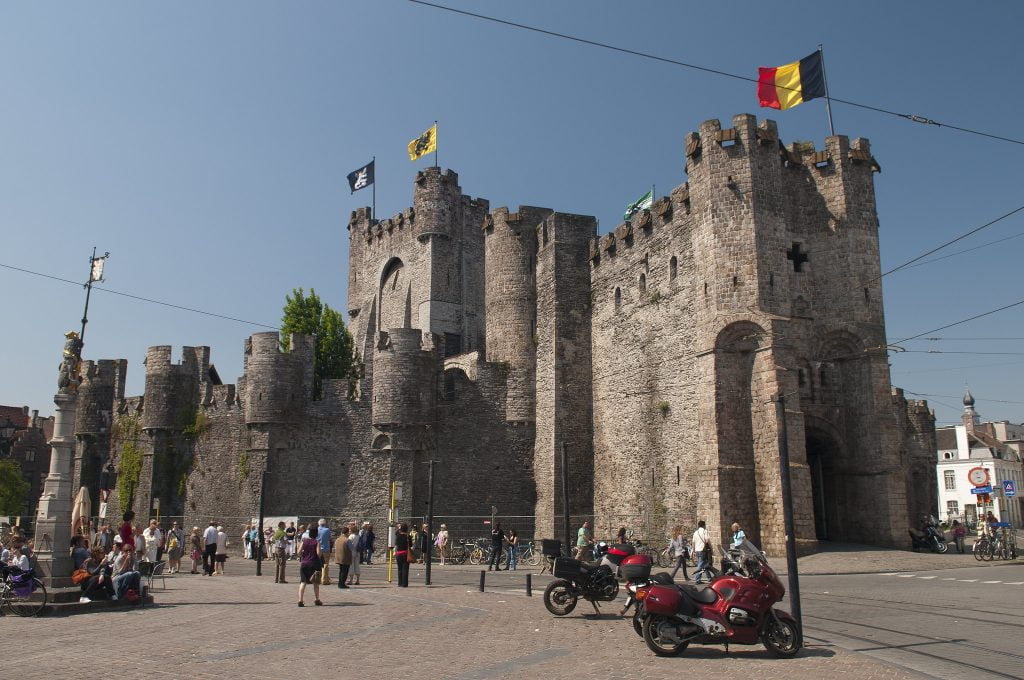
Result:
{"points": [[638, 623], [781, 638], [559, 598], [653, 639], [941, 546]]}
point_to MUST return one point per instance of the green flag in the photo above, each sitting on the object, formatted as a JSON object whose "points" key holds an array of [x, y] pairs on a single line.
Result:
{"points": [[642, 203]]}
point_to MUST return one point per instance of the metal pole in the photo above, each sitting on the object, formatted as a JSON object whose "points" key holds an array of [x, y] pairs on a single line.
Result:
{"points": [[373, 210], [88, 292], [565, 500], [430, 522], [828, 101], [259, 530], [391, 525], [529, 585], [435, 146], [787, 512]]}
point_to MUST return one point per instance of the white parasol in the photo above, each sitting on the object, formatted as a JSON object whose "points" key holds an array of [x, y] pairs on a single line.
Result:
{"points": [[81, 512]]}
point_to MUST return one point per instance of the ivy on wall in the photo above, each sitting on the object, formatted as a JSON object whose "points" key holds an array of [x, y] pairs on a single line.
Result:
{"points": [[127, 428]]}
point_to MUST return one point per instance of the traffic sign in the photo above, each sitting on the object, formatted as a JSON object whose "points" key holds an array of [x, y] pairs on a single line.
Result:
{"points": [[1009, 488], [978, 476], [982, 489]]}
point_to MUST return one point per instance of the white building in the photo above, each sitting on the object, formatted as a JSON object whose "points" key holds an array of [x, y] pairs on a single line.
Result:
{"points": [[994, 447]]}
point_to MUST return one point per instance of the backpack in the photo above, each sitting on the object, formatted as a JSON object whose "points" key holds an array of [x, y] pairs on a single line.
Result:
{"points": [[131, 596]]}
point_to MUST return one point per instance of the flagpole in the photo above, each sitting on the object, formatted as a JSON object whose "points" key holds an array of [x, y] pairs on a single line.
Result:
{"points": [[373, 210], [435, 145], [828, 101]]}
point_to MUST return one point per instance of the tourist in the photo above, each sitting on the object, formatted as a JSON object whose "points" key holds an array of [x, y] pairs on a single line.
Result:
{"points": [[414, 543], [702, 546], [441, 541], [680, 551], [342, 556], [289, 535], [326, 541], [402, 556], [280, 543], [513, 550], [140, 543], [369, 538], [737, 535], [195, 549], [267, 542], [100, 584], [620, 537], [152, 538], [309, 568], [959, 531], [79, 551], [209, 548], [246, 544], [426, 544], [125, 573], [584, 539], [353, 544], [175, 540], [497, 543], [104, 539], [221, 554], [127, 531]]}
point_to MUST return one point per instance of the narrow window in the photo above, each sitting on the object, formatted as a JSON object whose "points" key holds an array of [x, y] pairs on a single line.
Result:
{"points": [[867, 295], [672, 268], [949, 478], [678, 477], [801, 377], [643, 284], [618, 298]]}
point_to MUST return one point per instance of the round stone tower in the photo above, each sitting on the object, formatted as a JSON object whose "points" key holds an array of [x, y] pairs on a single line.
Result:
{"points": [[510, 294], [277, 384], [436, 201], [403, 380], [161, 403]]}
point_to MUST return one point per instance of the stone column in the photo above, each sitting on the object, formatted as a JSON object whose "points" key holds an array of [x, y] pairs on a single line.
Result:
{"points": [[53, 518]]}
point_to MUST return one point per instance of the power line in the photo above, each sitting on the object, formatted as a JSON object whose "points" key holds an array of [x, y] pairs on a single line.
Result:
{"points": [[943, 351], [957, 323], [645, 55], [139, 297], [967, 250], [958, 368], [971, 339], [950, 396]]}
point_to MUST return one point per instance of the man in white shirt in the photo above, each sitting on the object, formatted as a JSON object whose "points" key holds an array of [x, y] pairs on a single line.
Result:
{"points": [[210, 549], [701, 545]]}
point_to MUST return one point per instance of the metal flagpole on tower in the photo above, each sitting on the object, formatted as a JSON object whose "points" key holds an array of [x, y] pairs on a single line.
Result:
{"points": [[828, 101], [373, 210], [94, 275], [435, 146]]}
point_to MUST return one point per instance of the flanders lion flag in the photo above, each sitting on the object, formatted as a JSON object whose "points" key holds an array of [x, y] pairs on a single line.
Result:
{"points": [[424, 144]]}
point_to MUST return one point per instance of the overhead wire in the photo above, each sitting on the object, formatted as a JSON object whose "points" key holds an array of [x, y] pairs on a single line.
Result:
{"points": [[675, 62], [141, 298], [962, 321]]}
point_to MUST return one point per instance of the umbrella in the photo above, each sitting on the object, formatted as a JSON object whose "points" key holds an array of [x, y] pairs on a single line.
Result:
{"points": [[81, 512]]}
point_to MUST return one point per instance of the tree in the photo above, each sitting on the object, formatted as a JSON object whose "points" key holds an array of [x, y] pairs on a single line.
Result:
{"points": [[334, 356], [13, 488]]}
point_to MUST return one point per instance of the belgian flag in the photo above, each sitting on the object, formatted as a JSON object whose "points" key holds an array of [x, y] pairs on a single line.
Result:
{"points": [[783, 87]]}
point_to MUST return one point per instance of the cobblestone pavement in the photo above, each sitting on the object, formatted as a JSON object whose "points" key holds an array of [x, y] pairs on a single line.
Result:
{"points": [[849, 558], [243, 625]]}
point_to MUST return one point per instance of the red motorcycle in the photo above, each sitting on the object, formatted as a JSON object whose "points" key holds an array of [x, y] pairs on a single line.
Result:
{"points": [[736, 609]]}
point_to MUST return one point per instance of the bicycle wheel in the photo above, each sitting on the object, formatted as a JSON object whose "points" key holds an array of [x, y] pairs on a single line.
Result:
{"points": [[979, 549], [532, 557], [990, 552], [476, 556], [29, 604]]}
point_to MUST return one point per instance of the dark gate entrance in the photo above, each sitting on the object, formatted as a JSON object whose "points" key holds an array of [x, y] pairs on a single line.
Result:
{"points": [[821, 457]]}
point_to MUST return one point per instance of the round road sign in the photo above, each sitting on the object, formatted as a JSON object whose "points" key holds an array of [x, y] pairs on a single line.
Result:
{"points": [[978, 476]]}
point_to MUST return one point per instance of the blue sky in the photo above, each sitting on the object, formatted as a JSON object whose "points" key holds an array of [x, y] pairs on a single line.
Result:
{"points": [[206, 147]]}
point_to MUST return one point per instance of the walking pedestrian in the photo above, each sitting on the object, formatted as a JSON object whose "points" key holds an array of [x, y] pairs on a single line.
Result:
{"points": [[195, 547], [414, 543], [497, 543], [353, 544], [209, 548], [221, 553], [326, 541], [402, 555], [426, 543], [280, 543], [737, 535], [442, 542], [343, 556], [246, 544], [175, 541], [584, 539], [309, 569], [680, 551], [513, 550], [368, 542], [289, 535], [152, 538], [701, 546], [959, 531]]}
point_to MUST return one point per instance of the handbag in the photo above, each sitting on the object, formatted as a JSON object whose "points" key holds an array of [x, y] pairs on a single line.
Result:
{"points": [[79, 576]]}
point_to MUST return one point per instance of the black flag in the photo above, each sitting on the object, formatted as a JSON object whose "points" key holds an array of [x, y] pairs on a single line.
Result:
{"points": [[361, 178]]}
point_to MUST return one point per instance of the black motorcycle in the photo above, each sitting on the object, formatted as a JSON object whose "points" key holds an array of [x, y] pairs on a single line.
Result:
{"points": [[929, 536], [591, 581]]}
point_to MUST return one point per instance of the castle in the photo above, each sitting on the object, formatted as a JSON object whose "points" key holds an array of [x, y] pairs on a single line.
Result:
{"points": [[494, 341]]}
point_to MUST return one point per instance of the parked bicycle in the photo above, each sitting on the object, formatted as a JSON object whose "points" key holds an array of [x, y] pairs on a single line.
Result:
{"points": [[22, 593]]}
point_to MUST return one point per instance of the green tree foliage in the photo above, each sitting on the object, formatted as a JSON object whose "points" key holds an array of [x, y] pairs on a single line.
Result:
{"points": [[13, 488], [334, 357]]}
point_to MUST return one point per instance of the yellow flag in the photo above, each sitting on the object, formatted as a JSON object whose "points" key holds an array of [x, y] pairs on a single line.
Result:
{"points": [[424, 144]]}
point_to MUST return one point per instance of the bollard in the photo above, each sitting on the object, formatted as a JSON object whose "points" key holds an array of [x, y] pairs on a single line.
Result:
{"points": [[529, 585], [483, 574]]}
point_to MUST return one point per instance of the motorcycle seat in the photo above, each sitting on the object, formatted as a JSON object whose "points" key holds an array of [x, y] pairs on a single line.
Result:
{"points": [[702, 595]]}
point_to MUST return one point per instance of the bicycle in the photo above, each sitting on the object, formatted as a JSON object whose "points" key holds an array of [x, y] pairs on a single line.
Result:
{"points": [[528, 554], [22, 593], [984, 548]]}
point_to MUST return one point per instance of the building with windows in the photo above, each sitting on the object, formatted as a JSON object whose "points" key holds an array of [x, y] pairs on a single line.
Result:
{"points": [[994, 447], [24, 439]]}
